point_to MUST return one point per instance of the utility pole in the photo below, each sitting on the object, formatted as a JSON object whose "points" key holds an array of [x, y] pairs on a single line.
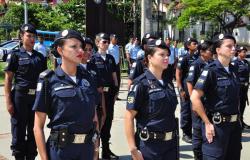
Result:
{"points": [[25, 11], [158, 17], [146, 16], [134, 18]]}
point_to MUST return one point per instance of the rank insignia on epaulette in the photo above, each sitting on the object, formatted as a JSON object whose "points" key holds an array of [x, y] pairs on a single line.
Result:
{"points": [[204, 73], [200, 81], [39, 86]]}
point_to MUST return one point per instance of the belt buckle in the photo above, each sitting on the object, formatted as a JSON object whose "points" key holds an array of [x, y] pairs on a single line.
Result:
{"points": [[105, 89], [234, 118], [31, 91], [144, 135], [217, 119], [168, 136], [79, 138]]}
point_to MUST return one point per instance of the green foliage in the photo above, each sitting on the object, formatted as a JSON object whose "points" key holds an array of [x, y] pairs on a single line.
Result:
{"points": [[69, 15], [213, 10]]}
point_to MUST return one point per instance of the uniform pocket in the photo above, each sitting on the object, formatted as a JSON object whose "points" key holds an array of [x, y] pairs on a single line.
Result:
{"points": [[23, 65], [64, 93]]}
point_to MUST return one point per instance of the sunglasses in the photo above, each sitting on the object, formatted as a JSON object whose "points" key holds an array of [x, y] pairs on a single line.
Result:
{"points": [[105, 42]]}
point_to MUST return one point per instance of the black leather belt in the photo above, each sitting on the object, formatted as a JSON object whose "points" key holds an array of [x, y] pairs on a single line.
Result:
{"points": [[62, 137], [218, 118], [145, 135]]}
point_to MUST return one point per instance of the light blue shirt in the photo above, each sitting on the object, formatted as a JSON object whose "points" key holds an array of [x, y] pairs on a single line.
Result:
{"points": [[140, 54], [133, 51], [41, 48], [128, 46], [173, 55], [182, 52], [115, 52]]}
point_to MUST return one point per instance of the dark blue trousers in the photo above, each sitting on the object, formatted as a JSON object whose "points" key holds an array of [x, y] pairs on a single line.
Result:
{"points": [[226, 144], [159, 150], [22, 123], [105, 132], [71, 151], [186, 117]]}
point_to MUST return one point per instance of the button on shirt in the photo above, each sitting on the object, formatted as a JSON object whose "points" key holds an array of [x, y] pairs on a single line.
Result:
{"points": [[115, 52], [155, 103], [26, 68], [69, 104], [220, 88]]}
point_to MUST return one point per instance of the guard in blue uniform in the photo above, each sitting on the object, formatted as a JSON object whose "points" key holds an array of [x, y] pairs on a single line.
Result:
{"points": [[181, 75], [68, 96], [106, 67], [138, 67], [220, 85], [24, 66], [206, 55], [243, 70], [152, 102], [92, 69]]}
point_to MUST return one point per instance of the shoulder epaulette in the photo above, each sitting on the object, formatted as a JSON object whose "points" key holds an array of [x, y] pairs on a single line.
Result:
{"points": [[46, 73]]}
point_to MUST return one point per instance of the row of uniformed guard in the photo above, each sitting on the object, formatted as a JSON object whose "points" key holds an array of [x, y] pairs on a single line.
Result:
{"points": [[70, 96], [218, 93]]}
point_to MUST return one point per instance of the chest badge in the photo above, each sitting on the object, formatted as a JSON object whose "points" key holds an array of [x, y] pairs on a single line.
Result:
{"points": [[85, 83]]}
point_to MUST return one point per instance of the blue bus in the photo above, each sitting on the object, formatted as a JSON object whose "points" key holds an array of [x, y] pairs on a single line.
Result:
{"points": [[48, 36]]}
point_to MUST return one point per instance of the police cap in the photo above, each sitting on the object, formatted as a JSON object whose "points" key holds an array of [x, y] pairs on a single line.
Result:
{"points": [[146, 37], [89, 41], [28, 28], [219, 37], [113, 36], [241, 48], [158, 43], [67, 34], [104, 36]]}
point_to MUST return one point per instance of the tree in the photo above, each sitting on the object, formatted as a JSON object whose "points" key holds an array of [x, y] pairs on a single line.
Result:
{"points": [[215, 11]]}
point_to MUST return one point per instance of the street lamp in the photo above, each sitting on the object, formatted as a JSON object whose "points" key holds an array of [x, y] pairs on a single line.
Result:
{"points": [[25, 11]]}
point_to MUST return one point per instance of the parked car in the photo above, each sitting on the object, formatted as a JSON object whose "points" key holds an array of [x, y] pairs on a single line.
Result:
{"points": [[7, 47]]}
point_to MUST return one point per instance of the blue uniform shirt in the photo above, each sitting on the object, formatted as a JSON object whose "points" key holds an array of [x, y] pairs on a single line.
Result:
{"points": [[220, 88], [195, 70], [243, 70], [138, 68], [26, 67], [173, 55], [184, 64], [69, 104], [155, 103], [105, 68], [133, 51], [115, 52]]}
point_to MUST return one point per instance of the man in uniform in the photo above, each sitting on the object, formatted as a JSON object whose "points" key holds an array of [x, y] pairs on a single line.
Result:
{"points": [[24, 66], [115, 52], [181, 75]]}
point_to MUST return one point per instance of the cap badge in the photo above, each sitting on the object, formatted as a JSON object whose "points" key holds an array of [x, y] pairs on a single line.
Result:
{"points": [[158, 42], [221, 36], [65, 33], [26, 28], [148, 35]]}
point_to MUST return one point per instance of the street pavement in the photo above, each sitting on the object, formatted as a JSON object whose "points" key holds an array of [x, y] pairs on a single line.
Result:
{"points": [[118, 140]]}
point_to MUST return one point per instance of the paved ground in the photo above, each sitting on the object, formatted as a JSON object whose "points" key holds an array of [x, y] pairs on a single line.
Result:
{"points": [[118, 140]]}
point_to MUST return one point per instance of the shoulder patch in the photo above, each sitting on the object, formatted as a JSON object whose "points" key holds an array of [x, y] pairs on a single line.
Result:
{"points": [[46, 73], [204, 73], [191, 68]]}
